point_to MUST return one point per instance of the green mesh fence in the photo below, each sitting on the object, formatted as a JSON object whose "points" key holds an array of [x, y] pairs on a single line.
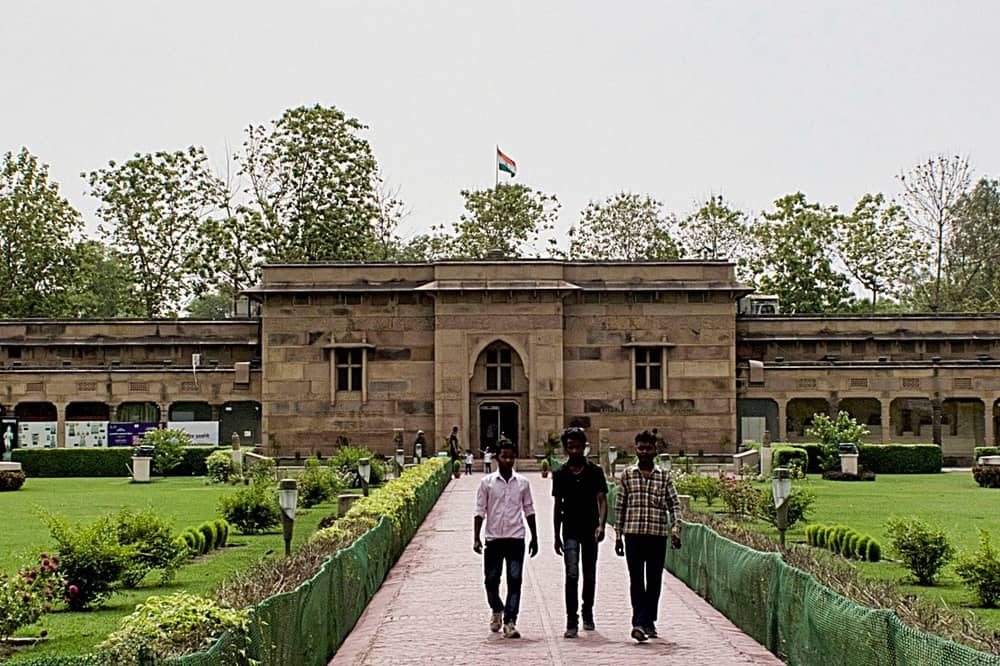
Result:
{"points": [[797, 618]]}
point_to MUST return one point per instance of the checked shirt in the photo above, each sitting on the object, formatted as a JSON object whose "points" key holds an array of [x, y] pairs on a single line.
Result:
{"points": [[643, 503]]}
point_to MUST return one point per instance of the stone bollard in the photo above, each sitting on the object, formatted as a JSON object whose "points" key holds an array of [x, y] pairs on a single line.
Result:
{"points": [[685, 501], [344, 502], [603, 442], [849, 463], [766, 455]]}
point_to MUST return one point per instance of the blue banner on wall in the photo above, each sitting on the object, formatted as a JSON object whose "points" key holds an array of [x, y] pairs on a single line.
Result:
{"points": [[128, 434]]}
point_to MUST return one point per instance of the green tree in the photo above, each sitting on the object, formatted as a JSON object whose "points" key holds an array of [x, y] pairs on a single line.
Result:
{"points": [[718, 231], [973, 251], [101, 284], [37, 227], [876, 246], [312, 182], [931, 192], [510, 218], [153, 208], [623, 226], [794, 261], [211, 306]]}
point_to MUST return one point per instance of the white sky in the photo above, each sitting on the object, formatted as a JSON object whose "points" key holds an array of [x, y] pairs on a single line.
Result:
{"points": [[677, 99]]}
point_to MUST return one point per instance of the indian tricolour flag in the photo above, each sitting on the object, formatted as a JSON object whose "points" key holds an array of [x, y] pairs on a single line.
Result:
{"points": [[504, 163]]}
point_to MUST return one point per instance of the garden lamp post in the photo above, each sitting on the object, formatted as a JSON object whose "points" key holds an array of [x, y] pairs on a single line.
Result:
{"points": [[418, 449], [288, 495], [665, 462], [612, 457], [400, 458], [365, 472], [781, 490]]}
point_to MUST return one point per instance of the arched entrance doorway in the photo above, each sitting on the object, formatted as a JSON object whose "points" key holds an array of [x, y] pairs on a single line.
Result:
{"points": [[498, 394]]}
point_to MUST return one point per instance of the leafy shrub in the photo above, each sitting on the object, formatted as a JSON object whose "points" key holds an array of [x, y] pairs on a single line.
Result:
{"points": [[193, 461], [709, 487], [11, 479], [169, 443], [740, 496], [24, 597], [251, 509], [90, 557], [222, 532], [207, 530], [790, 457], [901, 458], [799, 505], [199, 541], [987, 476], [191, 541], [261, 471], [831, 432], [686, 484], [923, 549], [219, 466], [152, 545], [345, 462], [317, 484], [980, 451], [874, 551], [171, 626], [980, 572]]}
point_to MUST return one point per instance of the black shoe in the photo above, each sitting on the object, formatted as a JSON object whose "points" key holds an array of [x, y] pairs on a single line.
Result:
{"points": [[650, 631], [570, 632], [588, 625], [638, 634]]}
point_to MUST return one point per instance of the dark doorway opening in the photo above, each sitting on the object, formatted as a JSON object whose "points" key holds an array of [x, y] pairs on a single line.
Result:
{"points": [[496, 419]]}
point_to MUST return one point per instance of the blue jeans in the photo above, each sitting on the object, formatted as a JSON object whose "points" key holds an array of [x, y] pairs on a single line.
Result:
{"points": [[496, 553], [645, 555], [576, 551]]}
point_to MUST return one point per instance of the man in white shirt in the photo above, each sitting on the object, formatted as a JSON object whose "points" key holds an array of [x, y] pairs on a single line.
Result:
{"points": [[502, 499]]}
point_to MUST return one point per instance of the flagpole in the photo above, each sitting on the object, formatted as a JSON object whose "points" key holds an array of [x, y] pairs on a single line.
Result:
{"points": [[496, 169]]}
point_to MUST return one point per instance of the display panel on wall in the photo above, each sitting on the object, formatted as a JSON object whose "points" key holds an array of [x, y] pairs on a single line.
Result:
{"points": [[37, 434], [203, 433], [86, 433]]}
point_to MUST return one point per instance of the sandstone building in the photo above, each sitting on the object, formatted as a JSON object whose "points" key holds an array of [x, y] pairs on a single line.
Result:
{"points": [[527, 347]]}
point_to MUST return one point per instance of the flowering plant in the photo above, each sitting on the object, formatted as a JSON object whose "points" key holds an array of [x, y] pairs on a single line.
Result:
{"points": [[29, 593]]}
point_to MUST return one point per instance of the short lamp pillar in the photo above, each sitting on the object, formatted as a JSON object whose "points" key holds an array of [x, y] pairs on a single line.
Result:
{"points": [[365, 473], [418, 450], [400, 459], [665, 462], [612, 457], [781, 490], [288, 496]]}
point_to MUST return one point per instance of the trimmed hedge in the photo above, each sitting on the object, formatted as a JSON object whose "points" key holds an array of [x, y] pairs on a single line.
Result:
{"points": [[107, 462], [11, 479], [901, 458], [981, 451], [844, 541], [786, 455], [883, 458]]}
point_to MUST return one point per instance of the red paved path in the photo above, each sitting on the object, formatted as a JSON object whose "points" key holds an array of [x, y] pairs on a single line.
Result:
{"points": [[432, 606]]}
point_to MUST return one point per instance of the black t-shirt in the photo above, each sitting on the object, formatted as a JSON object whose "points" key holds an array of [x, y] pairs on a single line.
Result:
{"points": [[579, 498]]}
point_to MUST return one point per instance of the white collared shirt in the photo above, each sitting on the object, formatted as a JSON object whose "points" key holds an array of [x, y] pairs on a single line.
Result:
{"points": [[503, 503]]}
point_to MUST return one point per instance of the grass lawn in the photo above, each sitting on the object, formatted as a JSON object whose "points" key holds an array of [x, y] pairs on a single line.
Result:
{"points": [[185, 501], [950, 501]]}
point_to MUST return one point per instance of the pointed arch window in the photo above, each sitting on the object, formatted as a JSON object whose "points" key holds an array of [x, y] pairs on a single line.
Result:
{"points": [[499, 368]]}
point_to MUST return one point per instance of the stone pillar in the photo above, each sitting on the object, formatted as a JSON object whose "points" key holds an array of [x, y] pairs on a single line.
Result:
{"points": [[886, 405], [766, 455], [782, 420], [60, 425], [834, 405], [990, 429], [936, 420]]}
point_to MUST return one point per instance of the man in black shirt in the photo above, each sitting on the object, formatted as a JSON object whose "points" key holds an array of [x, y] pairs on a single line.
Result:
{"points": [[581, 507]]}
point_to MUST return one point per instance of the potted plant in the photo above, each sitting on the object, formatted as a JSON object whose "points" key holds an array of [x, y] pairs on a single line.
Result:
{"points": [[544, 466], [456, 467]]}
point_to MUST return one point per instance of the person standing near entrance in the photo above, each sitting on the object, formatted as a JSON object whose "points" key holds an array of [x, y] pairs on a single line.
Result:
{"points": [[502, 498], [580, 509], [646, 495], [453, 450]]}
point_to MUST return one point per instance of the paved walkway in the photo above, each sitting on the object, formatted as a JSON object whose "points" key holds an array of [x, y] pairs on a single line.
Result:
{"points": [[432, 606]]}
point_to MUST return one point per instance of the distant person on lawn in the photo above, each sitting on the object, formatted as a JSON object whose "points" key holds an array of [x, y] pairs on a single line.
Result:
{"points": [[645, 509], [502, 498], [580, 509]]}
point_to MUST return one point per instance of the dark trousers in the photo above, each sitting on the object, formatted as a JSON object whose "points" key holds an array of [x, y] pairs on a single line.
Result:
{"points": [[645, 555], [496, 553], [580, 554]]}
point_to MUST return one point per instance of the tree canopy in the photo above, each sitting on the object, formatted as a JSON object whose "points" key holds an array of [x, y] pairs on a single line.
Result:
{"points": [[625, 226]]}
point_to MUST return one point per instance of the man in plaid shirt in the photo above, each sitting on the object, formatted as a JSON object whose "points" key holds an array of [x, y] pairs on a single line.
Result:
{"points": [[646, 494]]}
